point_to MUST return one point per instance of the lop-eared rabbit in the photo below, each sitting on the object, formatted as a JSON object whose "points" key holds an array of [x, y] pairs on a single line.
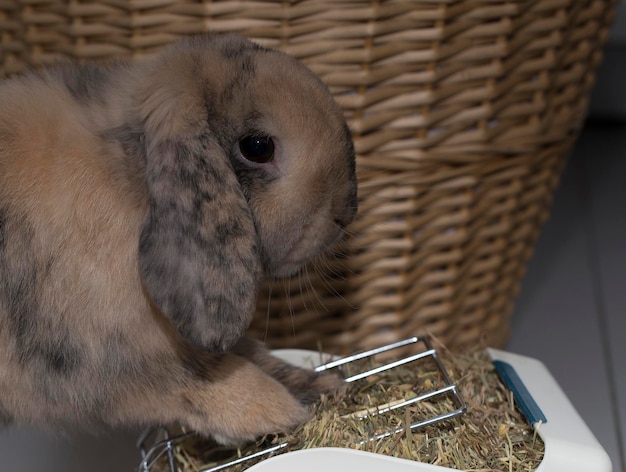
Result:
{"points": [[141, 205]]}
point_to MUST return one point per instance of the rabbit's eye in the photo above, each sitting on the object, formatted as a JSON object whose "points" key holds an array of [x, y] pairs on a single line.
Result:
{"points": [[259, 149]]}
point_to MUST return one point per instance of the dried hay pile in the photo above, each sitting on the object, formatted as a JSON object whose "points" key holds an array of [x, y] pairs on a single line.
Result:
{"points": [[491, 436]]}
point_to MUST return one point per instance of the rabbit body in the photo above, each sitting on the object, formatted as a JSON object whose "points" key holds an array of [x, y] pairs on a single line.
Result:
{"points": [[134, 234]]}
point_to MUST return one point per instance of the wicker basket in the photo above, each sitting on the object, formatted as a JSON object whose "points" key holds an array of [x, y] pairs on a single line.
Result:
{"points": [[462, 113]]}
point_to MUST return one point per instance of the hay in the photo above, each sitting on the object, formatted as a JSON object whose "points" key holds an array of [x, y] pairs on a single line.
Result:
{"points": [[491, 435]]}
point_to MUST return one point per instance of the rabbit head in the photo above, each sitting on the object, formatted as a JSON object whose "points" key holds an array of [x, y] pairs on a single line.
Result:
{"points": [[250, 172]]}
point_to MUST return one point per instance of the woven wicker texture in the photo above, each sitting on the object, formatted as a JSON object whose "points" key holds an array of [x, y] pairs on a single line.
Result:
{"points": [[462, 113]]}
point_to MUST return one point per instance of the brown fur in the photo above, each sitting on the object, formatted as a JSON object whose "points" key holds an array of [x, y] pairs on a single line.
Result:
{"points": [[133, 236]]}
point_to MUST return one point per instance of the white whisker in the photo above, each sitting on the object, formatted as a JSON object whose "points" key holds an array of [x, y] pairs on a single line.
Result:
{"points": [[267, 313], [290, 307], [322, 273], [312, 288]]}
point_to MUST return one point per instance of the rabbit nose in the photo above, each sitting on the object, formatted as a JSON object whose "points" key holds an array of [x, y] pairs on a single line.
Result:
{"points": [[347, 212]]}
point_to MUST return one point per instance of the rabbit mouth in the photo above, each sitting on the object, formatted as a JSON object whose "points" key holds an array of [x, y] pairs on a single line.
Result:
{"points": [[302, 252]]}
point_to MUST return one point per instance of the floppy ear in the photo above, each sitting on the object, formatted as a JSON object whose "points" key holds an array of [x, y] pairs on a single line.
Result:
{"points": [[198, 251]]}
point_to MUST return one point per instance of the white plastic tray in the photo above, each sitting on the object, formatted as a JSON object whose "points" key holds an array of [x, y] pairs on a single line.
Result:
{"points": [[569, 444]]}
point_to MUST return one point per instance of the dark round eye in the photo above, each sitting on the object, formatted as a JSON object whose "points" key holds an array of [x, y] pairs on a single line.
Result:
{"points": [[259, 149]]}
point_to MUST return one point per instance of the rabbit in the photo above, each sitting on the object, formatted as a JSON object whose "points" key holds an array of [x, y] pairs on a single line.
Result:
{"points": [[142, 203]]}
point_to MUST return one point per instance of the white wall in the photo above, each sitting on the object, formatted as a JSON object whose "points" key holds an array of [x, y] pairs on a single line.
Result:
{"points": [[618, 33], [609, 96]]}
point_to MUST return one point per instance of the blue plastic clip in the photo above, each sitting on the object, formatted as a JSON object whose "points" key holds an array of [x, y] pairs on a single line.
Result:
{"points": [[522, 396]]}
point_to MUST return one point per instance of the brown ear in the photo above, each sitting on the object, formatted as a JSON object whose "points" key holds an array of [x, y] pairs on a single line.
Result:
{"points": [[198, 251]]}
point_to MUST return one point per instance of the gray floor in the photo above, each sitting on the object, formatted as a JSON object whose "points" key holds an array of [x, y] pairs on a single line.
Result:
{"points": [[571, 313]]}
